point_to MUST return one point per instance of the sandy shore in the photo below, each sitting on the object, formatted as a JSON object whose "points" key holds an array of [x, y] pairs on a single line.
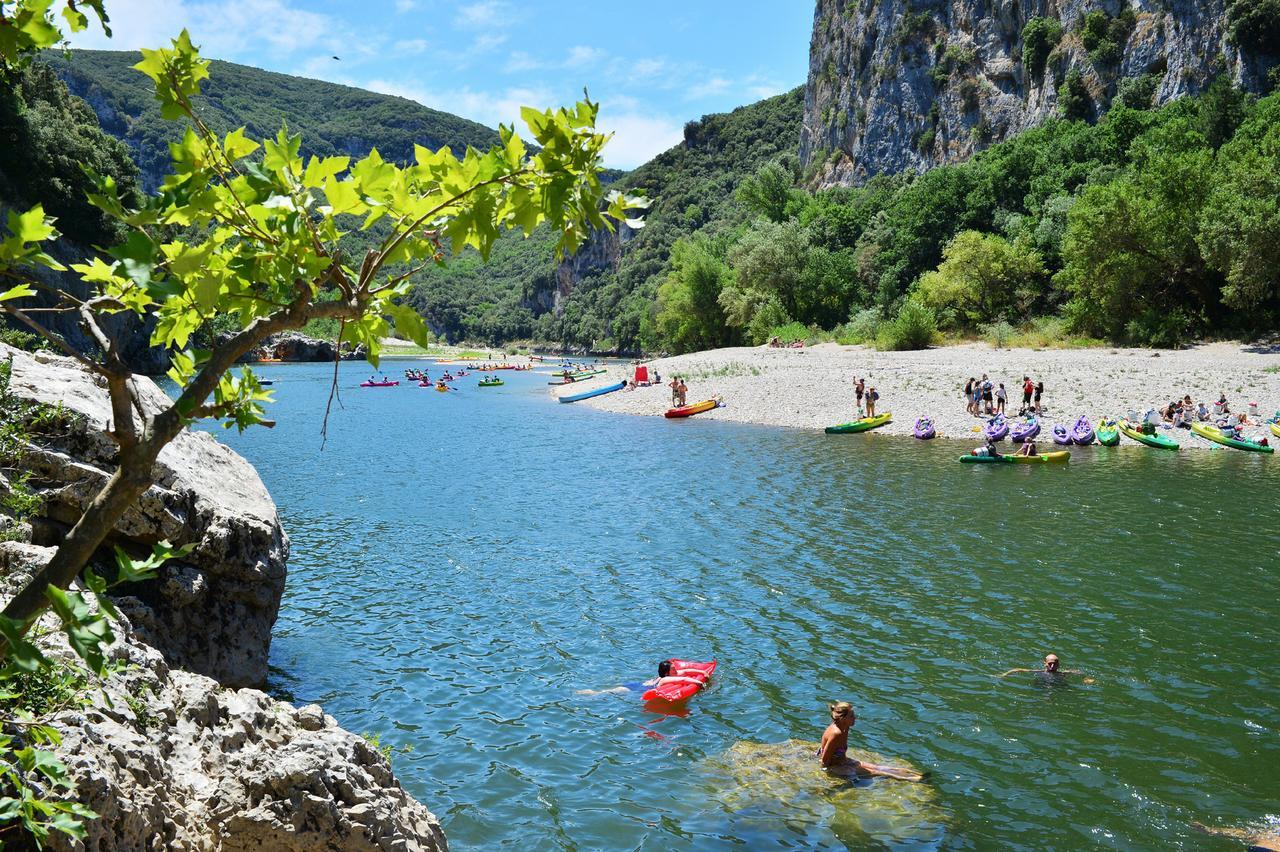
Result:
{"points": [[813, 388]]}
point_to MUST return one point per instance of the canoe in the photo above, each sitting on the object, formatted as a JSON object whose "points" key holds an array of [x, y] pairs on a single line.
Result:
{"points": [[1275, 429], [577, 377], [690, 410], [1160, 442], [924, 429], [1009, 458], [699, 673], [578, 397], [1108, 434], [490, 384], [378, 384], [997, 427], [1061, 435], [1025, 430], [1082, 432], [866, 424], [442, 388], [1213, 433]]}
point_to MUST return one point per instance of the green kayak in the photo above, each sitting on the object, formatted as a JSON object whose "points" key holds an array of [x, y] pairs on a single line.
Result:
{"points": [[863, 425], [1108, 434], [1213, 433], [1132, 430], [1062, 456]]}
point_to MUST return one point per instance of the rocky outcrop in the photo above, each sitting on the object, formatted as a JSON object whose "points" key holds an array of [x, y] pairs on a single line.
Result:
{"points": [[211, 612], [910, 84], [295, 346], [170, 760], [601, 251]]}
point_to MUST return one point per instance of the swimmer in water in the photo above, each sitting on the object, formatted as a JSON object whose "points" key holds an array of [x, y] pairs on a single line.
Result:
{"points": [[1052, 666], [832, 752], [665, 675], [1261, 840]]}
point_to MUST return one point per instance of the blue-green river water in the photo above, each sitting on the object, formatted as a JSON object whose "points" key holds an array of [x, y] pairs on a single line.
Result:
{"points": [[464, 563]]}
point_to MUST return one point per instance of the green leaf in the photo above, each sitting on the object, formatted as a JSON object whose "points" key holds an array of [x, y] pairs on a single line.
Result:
{"points": [[409, 322], [18, 292]]}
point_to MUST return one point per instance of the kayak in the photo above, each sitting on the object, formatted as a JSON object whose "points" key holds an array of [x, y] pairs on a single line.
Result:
{"points": [[699, 673], [1010, 458], [578, 397], [1160, 442], [997, 427], [1213, 433], [1108, 434], [1082, 433], [1275, 429], [866, 424], [1060, 434], [1025, 430], [378, 384], [577, 377], [442, 388], [924, 429], [690, 410], [492, 384]]}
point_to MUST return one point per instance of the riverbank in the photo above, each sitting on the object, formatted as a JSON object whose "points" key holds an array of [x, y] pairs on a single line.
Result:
{"points": [[813, 388]]}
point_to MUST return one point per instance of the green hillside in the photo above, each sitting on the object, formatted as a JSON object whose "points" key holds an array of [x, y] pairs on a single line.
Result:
{"points": [[332, 119]]}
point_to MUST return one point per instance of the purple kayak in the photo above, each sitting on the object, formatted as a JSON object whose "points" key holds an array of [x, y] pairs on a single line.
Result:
{"points": [[1082, 432], [924, 429], [1061, 434], [1026, 430], [997, 427]]}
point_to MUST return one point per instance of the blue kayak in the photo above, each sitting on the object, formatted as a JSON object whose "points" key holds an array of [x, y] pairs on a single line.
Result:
{"points": [[597, 392]]}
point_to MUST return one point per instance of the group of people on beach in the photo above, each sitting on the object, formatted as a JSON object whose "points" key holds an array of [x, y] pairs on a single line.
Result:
{"points": [[984, 397], [868, 395], [679, 391]]}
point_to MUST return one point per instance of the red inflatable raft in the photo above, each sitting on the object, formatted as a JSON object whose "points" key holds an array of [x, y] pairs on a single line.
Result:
{"points": [[686, 678]]}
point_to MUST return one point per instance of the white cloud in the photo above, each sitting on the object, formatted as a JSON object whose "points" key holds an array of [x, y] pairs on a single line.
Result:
{"points": [[488, 108], [487, 42], [410, 47], [647, 67], [404, 5], [520, 62], [580, 55], [487, 13], [711, 86], [638, 137]]}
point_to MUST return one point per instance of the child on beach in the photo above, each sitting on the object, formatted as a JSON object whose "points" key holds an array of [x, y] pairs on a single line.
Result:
{"points": [[833, 750], [987, 388], [859, 388], [1039, 393], [968, 396]]}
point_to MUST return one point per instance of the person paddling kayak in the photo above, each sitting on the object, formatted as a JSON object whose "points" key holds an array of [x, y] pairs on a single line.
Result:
{"points": [[833, 750]]}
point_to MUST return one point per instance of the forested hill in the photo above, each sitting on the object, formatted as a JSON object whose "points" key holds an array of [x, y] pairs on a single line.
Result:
{"points": [[332, 119]]}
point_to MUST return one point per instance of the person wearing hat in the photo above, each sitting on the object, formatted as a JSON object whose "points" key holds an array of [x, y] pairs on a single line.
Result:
{"points": [[1052, 666], [872, 396]]}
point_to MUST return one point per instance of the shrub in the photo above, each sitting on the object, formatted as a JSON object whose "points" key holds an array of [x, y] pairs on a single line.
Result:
{"points": [[1074, 100], [1137, 92], [861, 328], [1255, 25], [19, 339], [791, 332], [915, 327], [1039, 37], [998, 334]]}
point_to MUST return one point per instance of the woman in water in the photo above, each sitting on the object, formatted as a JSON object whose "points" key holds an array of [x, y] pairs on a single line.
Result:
{"points": [[832, 752]]}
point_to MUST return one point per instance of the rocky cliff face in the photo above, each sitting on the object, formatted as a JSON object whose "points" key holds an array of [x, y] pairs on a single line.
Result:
{"points": [[910, 84]]}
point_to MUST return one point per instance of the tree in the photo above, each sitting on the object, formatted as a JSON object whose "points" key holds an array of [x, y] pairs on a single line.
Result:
{"points": [[1255, 25], [770, 260], [261, 245], [984, 277], [1222, 108], [769, 192], [1039, 37], [1074, 99], [689, 316]]}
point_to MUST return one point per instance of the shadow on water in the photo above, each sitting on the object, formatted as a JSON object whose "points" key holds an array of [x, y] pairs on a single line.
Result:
{"points": [[462, 564]]}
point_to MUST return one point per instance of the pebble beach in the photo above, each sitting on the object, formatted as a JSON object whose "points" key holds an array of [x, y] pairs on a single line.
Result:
{"points": [[813, 388]]}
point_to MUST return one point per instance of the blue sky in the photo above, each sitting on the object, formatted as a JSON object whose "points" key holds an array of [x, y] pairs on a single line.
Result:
{"points": [[652, 64]]}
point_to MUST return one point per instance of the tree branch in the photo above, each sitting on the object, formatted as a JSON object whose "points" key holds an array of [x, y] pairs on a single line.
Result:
{"points": [[52, 337]]}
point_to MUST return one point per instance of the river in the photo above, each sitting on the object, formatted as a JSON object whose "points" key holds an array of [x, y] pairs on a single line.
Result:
{"points": [[462, 564]]}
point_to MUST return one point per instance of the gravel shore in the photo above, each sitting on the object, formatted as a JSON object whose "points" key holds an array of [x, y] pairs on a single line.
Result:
{"points": [[813, 388]]}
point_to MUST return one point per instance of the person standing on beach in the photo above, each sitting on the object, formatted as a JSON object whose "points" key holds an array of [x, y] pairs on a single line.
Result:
{"points": [[872, 396], [1039, 393], [1028, 388], [968, 396], [682, 391], [675, 389], [1002, 399], [986, 393], [859, 388]]}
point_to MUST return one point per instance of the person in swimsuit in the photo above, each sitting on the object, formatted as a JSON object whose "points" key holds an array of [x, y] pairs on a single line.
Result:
{"points": [[1052, 666], [1039, 393], [859, 387], [1262, 839], [1028, 448], [1002, 399], [665, 675], [833, 750]]}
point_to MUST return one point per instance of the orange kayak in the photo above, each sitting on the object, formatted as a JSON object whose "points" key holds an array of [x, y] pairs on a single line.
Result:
{"points": [[690, 410]]}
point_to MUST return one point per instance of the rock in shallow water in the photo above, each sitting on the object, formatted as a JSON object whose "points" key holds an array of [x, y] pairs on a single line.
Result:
{"points": [[763, 787]]}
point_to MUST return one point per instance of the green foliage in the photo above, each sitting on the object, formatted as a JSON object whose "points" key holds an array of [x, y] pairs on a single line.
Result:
{"points": [[861, 328], [914, 327], [1254, 25], [1137, 92], [998, 333], [982, 277], [19, 339], [1074, 100], [28, 26], [770, 192], [689, 316], [1222, 108], [1039, 37], [791, 332]]}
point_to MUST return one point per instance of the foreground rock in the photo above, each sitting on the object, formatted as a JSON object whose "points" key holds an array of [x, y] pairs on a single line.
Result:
{"points": [[210, 613]]}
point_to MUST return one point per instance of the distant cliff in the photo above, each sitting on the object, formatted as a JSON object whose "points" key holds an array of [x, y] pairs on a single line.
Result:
{"points": [[910, 84]]}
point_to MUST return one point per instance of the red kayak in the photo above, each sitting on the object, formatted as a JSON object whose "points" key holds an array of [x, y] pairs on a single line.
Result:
{"points": [[379, 384], [687, 677], [695, 408]]}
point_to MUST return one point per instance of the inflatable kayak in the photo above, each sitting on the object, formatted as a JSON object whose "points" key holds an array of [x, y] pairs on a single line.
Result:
{"points": [[690, 410], [997, 427], [687, 677], [378, 384], [578, 397], [1134, 431], [493, 384], [442, 388], [1108, 434], [1025, 430], [1061, 435], [1213, 433], [1082, 432], [924, 428], [866, 424], [1010, 458], [1275, 429]]}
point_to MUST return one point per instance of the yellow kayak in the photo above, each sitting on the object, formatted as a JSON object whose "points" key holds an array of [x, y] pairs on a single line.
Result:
{"points": [[863, 425], [1213, 433], [1275, 429], [1062, 456]]}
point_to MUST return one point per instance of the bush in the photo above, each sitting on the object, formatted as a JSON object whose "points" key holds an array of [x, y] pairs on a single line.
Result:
{"points": [[19, 339], [1073, 97], [861, 328], [915, 327], [1039, 37], [1255, 25], [998, 334], [791, 332]]}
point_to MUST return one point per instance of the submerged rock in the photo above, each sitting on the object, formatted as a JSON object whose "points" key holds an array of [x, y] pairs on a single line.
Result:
{"points": [[780, 784], [211, 612]]}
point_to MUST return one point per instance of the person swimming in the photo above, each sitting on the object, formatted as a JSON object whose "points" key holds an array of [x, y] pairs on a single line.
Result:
{"points": [[1052, 666], [833, 750], [665, 675]]}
